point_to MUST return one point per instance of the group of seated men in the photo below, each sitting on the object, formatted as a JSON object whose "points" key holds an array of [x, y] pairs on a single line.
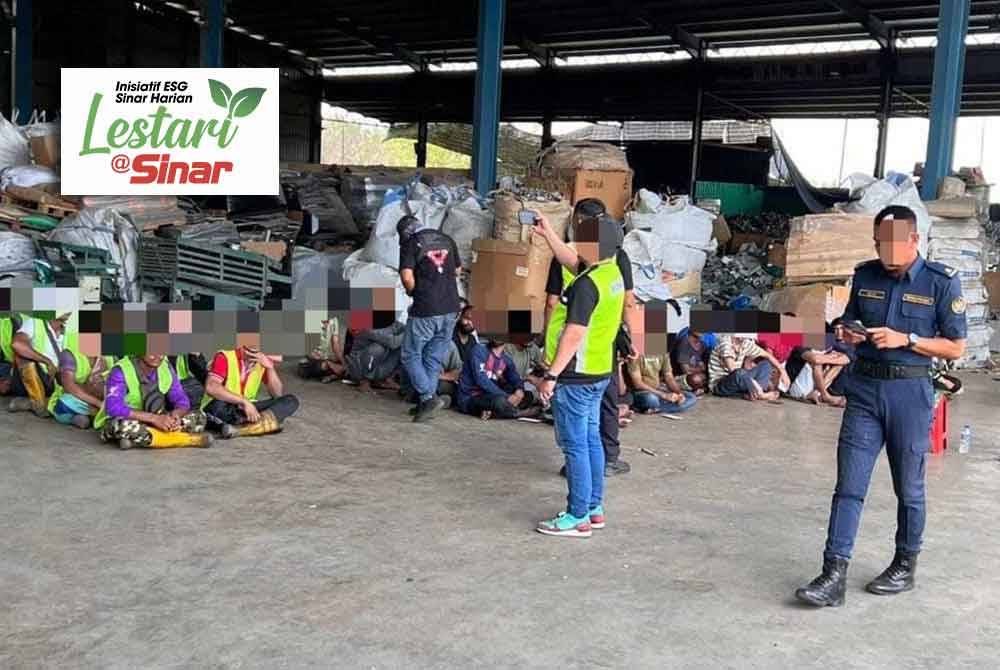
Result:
{"points": [[150, 401]]}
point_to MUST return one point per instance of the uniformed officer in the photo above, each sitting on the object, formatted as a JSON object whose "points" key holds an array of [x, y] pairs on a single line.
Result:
{"points": [[913, 310]]}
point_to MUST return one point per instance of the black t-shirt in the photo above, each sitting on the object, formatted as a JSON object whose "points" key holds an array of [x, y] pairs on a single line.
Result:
{"points": [[433, 257], [554, 283]]}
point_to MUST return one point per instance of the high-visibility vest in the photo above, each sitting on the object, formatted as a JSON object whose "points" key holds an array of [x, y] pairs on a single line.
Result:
{"points": [[596, 354], [133, 389], [7, 338], [233, 380], [181, 366], [83, 369]]}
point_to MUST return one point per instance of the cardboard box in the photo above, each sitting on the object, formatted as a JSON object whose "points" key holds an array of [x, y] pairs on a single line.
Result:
{"points": [[720, 230], [613, 188], [45, 149], [992, 282], [827, 247], [507, 275], [686, 286], [776, 254], [826, 301], [274, 250]]}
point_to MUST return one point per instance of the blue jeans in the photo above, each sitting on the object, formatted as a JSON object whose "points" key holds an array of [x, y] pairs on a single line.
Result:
{"points": [[425, 345], [69, 406], [737, 382], [897, 413], [576, 409], [646, 401]]}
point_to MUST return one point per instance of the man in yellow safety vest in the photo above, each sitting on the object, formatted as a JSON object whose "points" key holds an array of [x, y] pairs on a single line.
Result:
{"points": [[234, 380], [145, 406], [36, 347]]}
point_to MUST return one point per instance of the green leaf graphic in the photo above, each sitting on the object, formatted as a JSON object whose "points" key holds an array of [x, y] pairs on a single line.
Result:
{"points": [[245, 101], [220, 93]]}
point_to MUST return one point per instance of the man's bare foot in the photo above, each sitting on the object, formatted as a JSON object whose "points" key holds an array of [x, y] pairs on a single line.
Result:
{"points": [[386, 385], [365, 386], [769, 396], [486, 416], [835, 401], [814, 397]]}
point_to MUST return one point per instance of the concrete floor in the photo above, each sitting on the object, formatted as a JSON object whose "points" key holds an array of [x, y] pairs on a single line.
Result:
{"points": [[356, 539]]}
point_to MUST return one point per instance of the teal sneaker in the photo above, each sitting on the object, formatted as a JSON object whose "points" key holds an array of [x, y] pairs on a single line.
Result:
{"points": [[565, 525], [597, 517]]}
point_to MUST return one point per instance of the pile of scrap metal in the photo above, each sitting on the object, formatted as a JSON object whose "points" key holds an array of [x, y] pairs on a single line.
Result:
{"points": [[738, 281], [771, 224]]}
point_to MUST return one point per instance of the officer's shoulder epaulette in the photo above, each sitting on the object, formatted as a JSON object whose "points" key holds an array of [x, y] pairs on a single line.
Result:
{"points": [[941, 269]]}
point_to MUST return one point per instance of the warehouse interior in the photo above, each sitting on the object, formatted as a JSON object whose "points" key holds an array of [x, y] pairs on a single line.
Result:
{"points": [[344, 541]]}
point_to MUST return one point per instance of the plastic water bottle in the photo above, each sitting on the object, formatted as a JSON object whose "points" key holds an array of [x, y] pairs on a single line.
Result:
{"points": [[966, 442]]}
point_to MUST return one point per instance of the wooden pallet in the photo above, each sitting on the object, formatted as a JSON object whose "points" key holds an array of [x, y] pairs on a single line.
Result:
{"points": [[57, 211]]}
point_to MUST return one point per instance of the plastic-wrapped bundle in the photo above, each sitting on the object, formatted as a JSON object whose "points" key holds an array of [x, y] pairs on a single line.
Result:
{"points": [[17, 253], [14, 148], [109, 230], [470, 218], [870, 196], [216, 232], [428, 204], [318, 195], [507, 204], [363, 195]]}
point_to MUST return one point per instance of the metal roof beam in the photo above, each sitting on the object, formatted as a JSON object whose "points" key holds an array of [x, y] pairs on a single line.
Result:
{"points": [[634, 11], [542, 55], [878, 30]]}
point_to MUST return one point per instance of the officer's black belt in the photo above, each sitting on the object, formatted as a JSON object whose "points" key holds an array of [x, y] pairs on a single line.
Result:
{"points": [[881, 370]]}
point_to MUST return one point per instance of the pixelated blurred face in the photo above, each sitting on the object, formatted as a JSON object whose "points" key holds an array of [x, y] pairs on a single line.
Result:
{"points": [[596, 238], [247, 341], [152, 360], [896, 243]]}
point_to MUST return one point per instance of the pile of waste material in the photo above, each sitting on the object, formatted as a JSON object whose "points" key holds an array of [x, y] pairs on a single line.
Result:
{"points": [[738, 281], [319, 195], [772, 224]]}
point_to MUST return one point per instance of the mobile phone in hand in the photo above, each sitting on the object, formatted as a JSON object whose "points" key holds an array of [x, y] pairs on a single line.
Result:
{"points": [[855, 327], [527, 217]]}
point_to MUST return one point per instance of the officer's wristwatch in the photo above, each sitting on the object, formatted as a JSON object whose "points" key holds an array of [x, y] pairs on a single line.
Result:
{"points": [[914, 339], [549, 377]]}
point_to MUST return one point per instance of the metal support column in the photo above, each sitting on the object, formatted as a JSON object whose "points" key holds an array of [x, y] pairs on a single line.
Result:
{"points": [[421, 146], [486, 112], [547, 139], [23, 77], [885, 104], [696, 125], [316, 118], [946, 95], [212, 29]]}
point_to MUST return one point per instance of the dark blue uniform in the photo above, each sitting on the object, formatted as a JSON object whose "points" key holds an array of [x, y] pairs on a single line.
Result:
{"points": [[883, 407]]}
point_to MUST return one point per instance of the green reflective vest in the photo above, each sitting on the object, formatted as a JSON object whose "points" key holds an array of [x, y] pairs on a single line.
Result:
{"points": [[7, 338], [596, 354], [83, 369], [133, 389], [181, 366], [233, 380]]}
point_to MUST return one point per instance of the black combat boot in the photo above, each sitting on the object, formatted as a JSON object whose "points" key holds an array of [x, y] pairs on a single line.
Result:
{"points": [[828, 589], [897, 578]]}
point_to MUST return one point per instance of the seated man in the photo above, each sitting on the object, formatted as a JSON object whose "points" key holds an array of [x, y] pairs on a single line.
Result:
{"points": [[654, 388], [490, 386], [80, 391], [326, 361], [465, 336], [733, 372], [528, 361], [375, 356], [814, 373], [8, 326], [231, 388], [145, 406], [192, 371], [690, 353], [36, 348]]}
